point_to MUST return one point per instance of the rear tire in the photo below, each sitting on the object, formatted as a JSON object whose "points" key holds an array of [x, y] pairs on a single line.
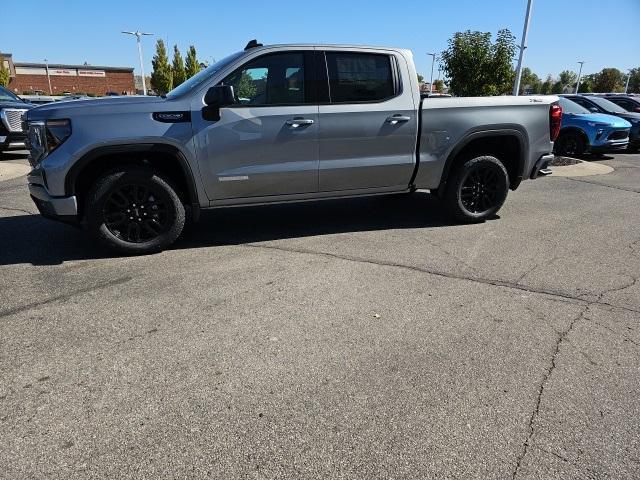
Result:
{"points": [[134, 211], [477, 189], [570, 144]]}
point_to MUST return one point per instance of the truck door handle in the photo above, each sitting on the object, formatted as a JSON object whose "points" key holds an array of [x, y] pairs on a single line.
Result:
{"points": [[395, 119], [299, 122]]}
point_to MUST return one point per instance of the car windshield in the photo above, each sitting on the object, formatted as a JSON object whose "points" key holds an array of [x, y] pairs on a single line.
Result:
{"points": [[6, 95], [571, 107], [607, 105], [202, 76]]}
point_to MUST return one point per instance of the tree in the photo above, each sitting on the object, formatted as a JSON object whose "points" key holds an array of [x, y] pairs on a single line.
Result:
{"points": [[192, 65], [4, 76], [609, 80], [438, 85], [420, 79], [568, 78], [161, 77], [530, 82], [634, 81], [558, 87], [547, 87], [179, 73], [586, 83], [476, 66], [245, 88]]}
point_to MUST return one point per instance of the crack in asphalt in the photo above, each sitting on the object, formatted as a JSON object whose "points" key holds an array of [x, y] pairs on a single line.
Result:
{"points": [[545, 377], [18, 210], [603, 185], [12, 311], [567, 297]]}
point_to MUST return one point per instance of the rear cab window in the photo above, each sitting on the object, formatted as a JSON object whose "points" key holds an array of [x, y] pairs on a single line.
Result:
{"points": [[356, 77]]}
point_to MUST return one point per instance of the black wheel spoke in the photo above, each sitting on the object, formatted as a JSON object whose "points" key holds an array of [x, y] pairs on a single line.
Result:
{"points": [[134, 213]]}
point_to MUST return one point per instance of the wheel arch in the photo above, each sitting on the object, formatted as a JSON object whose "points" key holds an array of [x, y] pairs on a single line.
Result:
{"points": [[166, 158], [509, 145]]}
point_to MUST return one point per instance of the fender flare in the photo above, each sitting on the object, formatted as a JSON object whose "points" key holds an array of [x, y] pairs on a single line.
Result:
{"points": [[497, 132], [98, 152]]}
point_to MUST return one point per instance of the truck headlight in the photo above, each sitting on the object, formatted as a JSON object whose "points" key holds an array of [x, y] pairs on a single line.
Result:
{"points": [[57, 132]]}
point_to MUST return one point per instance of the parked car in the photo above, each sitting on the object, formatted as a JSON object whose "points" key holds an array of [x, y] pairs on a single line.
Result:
{"points": [[631, 103], [598, 104], [12, 109], [583, 131], [279, 124]]}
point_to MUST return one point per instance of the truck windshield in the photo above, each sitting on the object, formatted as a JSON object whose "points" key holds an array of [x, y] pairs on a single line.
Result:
{"points": [[202, 76], [571, 107], [6, 95]]}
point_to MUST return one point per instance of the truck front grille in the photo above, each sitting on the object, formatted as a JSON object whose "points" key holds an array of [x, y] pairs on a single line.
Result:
{"points": [[12, 119], [618, 135]]}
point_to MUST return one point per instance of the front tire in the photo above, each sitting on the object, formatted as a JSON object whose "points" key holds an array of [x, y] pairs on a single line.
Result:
{"points": [[570, 144], [134, 211], [477, 189]]}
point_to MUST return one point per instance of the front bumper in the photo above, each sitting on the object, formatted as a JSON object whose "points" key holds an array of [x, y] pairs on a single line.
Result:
{"points": [[610, 146], [10, 141], [64, 209]]}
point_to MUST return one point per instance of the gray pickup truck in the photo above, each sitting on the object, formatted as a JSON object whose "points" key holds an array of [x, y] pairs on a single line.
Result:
{"points": [[279, 124]]}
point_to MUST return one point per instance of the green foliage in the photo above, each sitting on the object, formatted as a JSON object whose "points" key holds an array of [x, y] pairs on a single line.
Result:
{"points": [[547, 87], [634, 82], [558, 87], [476, 66], [177, 68], [192, 65], [4, 76], [609, 80], [587, 83], [530, 82], [438, 86], [245, 87], [420, 79], [162, 76], [568, 78]]}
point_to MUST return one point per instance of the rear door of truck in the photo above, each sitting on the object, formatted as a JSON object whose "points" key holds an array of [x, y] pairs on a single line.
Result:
{"points": [[368, 123]]}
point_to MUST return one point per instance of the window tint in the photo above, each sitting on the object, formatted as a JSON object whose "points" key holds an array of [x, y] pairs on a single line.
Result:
{"points": [[585, 103], [571, 107], [359, 77], [276, 79], [626, 104]]}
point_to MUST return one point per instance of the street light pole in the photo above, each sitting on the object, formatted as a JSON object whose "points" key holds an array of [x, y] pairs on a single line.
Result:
{"points": [[433, 62], [138, 34], [626, 87], [579, 76], [523, 47], [46, 65]]}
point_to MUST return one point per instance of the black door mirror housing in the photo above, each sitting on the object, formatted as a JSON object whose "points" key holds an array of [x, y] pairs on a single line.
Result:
{"points": [[216, 98]]}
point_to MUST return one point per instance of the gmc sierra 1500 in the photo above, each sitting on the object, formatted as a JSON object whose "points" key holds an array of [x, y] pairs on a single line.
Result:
{"points": [[278, 124]]}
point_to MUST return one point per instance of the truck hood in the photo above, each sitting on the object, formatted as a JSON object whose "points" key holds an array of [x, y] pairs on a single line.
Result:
{"points": [[610, 120], [98, 106]]}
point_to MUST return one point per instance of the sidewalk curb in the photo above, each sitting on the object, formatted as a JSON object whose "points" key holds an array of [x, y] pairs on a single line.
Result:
{"points": [[581, 169]]}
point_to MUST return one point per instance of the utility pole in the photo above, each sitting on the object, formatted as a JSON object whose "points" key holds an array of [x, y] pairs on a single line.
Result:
{"points": [[46, 65], [523, 47], [138, 34], [579, 76], [433, 62], [626, 88]]}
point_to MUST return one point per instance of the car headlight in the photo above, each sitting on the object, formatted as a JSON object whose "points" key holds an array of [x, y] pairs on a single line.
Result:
{"points": [[43, 137], [57, 132]]}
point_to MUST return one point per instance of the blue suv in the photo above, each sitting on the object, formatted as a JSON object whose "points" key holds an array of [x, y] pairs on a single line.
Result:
{"points": [[585, 132]]}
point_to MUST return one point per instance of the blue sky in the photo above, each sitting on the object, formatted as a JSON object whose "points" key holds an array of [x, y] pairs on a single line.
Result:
{"points": [[562, 31]]}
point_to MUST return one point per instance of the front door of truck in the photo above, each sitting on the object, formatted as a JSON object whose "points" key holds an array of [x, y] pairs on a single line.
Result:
{"points": [[265, 144], [368, 128]]}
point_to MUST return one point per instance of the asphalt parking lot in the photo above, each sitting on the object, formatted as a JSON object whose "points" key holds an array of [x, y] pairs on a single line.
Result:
{"points": [[368, 338]]}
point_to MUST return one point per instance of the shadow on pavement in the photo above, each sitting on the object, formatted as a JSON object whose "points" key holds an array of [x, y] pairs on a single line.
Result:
{"points": [[35, 240]]}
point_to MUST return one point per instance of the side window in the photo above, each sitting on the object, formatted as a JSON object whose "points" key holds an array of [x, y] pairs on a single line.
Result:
{"points": [[626, 104], [584, 103], [273, 79], [360, 77]]}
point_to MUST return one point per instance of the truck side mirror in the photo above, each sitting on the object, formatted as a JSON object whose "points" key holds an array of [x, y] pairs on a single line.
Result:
{"points": [[216, 98]]}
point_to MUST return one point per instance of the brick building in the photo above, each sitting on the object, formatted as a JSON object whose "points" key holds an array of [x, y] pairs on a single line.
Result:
{"points": [[28, 78]]}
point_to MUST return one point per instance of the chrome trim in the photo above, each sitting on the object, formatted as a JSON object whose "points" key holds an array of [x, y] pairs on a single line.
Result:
{"points": [[12, 119]]}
